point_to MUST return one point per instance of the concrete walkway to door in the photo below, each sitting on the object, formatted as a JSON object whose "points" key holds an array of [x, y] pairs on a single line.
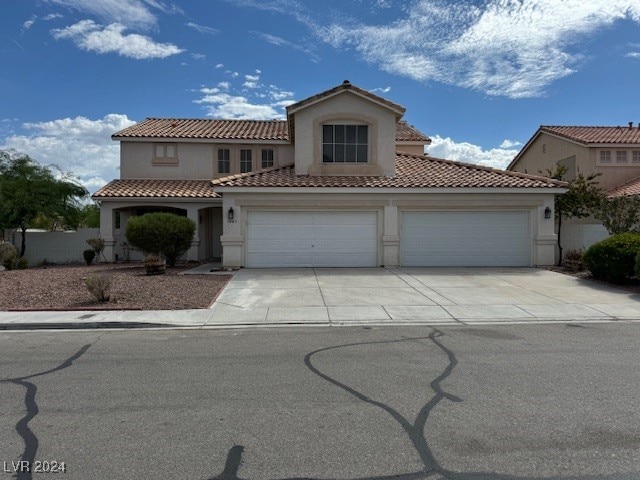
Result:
{"points": [[352, 296]]}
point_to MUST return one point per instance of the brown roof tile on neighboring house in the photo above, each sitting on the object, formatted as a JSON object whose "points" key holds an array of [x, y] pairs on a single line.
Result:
{"points": [[628, 189], [588, 135], [412, 171], [268, 130], [157, 189], [201, 128]]}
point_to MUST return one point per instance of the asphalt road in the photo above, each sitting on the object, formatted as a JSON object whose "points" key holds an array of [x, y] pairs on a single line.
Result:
{"points": [[504, 402]]}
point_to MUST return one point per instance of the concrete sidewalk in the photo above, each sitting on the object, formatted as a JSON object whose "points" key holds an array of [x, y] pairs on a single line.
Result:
{"points": [[372, 296]]}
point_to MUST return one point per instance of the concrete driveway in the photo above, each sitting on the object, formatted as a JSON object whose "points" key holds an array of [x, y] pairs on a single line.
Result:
{"points": [[348, 296]]}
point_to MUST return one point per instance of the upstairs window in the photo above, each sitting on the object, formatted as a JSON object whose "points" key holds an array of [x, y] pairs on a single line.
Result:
{"points": [[267, 158], [635, 157], [165, 153], [224, 160], [621, 156], [605, 157], [246, 165], [345, 143]]}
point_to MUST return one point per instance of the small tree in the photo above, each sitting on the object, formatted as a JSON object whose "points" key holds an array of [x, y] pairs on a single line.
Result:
{"points": [[28, 189], [164, 234], [619, 214], [581, 199]]}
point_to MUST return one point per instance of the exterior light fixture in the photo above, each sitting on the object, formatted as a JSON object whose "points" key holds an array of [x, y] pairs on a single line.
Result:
{"points": [[230, 213], [547, 212]]}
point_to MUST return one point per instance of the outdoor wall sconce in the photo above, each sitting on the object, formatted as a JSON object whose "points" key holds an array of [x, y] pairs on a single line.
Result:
{"points": [[547, 212], [230, 213]]}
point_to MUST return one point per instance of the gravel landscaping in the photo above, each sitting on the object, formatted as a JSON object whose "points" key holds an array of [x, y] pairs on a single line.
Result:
{"points": [[63, 288]]}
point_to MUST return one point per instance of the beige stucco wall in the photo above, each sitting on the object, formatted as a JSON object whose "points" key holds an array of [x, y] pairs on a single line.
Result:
{"points": [[546, 150], [389, 207], [196, 161], [536, 160], [410, 149], [346, 107]]}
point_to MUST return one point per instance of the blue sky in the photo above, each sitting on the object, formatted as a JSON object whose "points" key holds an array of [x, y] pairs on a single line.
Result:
{"points": [[478, 77]]}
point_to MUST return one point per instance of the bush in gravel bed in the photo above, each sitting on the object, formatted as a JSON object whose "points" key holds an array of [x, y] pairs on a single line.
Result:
{"points": [[99, 286], [614, 258], [8, 253], [89, 254], [164, 234]]}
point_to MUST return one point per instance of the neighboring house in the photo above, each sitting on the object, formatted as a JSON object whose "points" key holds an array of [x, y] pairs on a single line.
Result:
{"points": [[611, 152], [342, 182]]}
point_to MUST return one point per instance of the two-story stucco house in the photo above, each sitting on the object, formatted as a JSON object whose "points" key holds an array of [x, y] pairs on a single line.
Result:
{"points": [[611, 152], [343, 181]]}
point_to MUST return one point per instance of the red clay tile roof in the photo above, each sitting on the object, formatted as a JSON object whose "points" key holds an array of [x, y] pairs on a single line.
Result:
{"points": [[233, 130], [157, 189], [628, 189], [412, 171], [345, 86], [409, 133], [200, 128], [586, 135]]}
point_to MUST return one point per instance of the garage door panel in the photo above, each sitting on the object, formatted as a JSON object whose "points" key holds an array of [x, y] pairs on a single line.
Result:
{"points": [[306, 239], [465, 239]]}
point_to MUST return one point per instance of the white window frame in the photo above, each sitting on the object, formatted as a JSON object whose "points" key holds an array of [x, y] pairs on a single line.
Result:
{"points": [[165, 154], [341, 149], [270, 161], [604, 157], [227, 160], [243, 160], [622, 157]]}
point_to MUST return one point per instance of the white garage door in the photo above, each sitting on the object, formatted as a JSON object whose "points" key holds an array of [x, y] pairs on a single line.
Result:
{"points": [[469, 239], [312, 239]]}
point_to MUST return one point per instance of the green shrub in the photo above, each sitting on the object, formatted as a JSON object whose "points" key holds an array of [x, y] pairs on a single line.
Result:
{"points": [[637, 269], [99, 286], [89, 254], [614, 258], [21, 263], [164, 234], [8, 254]]}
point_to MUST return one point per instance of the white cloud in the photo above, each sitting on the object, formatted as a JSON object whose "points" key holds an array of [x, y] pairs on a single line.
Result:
{"points": [[219, 65], [77, 145], [51, 16], [203, 29], [469, 153], [27, 25], [633, 55], [198, 56], [126, 12], [499, 47], [259, 103], [111, 39], [251, 81], [281, 42], [510, 143], [381, 89]]}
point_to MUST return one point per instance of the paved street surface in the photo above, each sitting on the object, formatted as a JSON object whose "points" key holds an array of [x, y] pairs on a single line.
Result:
{"points": [[461, 402]]}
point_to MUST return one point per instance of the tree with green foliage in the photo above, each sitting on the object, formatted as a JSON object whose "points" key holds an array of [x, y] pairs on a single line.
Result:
{"points": [[582, 198], [28, 189], [165, 234], [619, 214]]}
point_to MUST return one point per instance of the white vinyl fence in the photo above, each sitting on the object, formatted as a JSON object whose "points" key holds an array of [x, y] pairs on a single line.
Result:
{"points": [[53, 247]]}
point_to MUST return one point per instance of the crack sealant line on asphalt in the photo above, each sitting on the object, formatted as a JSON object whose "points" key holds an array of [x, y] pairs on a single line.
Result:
{"points": [[324, 302]]}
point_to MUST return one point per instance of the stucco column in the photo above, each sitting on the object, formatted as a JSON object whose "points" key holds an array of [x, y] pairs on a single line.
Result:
{"points": [[231, 238], [192, 253], [107, 232], [544, 251], [390, 237]]}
